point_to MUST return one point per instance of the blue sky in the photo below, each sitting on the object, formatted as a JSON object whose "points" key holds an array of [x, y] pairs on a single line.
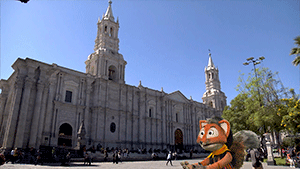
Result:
{"points": [[165, 43]]}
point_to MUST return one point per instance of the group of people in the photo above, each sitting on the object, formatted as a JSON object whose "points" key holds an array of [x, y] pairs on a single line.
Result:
{"points": [[22, 156], [33, 156], [293, 157]]}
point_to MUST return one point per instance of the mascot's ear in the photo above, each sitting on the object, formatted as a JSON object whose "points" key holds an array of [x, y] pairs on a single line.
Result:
{"points": [[225, 126], [202, 123]]}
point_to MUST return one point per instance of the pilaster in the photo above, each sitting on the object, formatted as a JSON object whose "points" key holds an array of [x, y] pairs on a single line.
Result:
{"points": [[13, 116], [49, 112], [36, 115], [23, 112]]}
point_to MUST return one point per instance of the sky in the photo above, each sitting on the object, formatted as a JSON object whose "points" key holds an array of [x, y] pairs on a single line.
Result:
{"points": [[165, 43]]}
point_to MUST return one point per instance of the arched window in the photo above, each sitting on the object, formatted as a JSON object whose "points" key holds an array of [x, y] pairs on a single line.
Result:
{"points": [[111, 31], [112, 73], [105, 29], [212, 75]]}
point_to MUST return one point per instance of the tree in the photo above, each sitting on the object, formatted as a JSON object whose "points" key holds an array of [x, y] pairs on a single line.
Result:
{"points": [[289, 110], [296, 51], [256, 107]]}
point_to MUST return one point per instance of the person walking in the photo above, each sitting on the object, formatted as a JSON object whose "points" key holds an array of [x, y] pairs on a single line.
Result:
{"points": [[105, 155], [169, 158], [255, 158]]}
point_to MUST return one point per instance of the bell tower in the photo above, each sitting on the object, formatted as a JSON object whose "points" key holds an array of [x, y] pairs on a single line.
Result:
{"points": [[106, 61], [213, 95]]}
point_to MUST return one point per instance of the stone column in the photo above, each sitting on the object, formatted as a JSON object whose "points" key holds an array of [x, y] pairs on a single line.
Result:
{"points": [[87, 108], [41, 122], [36, 115], [49, 111], [11, 123], [23, 113], [3, 114]]}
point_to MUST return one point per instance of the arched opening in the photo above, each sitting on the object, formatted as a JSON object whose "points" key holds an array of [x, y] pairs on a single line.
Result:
{"points": [[65, 135], [211, 104], [178, 140], [105, 29], [111, 32], [112, 71]]}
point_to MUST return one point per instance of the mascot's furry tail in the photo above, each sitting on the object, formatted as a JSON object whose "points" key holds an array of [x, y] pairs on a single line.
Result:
{"points": [[238, 152], [242, 140]]}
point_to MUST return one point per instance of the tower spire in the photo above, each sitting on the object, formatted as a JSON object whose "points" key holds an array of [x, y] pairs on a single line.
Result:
{"points": [[109, 15], [210, 62], [213, 95]]}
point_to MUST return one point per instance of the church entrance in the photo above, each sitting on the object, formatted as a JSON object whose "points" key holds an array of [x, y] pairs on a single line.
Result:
{"points": [[65, 135], [178, 141]]}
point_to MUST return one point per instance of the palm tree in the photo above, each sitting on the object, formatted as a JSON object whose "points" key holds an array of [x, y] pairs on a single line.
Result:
{"points": [[296, 51]]}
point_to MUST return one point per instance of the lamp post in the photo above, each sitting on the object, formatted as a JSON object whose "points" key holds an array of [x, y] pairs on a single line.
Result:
{"points": [[255, 62]]}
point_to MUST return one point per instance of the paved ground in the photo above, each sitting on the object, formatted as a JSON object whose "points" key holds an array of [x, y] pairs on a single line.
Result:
{"points": [[124, 165]]}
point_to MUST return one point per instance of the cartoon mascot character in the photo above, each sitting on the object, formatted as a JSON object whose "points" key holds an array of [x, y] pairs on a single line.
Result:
{"points": [[215, 136]]}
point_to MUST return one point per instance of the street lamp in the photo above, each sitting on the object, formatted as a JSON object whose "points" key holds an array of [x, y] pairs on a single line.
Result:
{"points": [[255, 62]]}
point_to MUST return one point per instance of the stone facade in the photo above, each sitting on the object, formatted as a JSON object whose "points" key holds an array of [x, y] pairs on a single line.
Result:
{"points": [[45, 104]]}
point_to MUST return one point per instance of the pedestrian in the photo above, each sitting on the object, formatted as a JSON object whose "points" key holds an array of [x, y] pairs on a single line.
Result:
{"points": [[32, 155], [15, 155], [169, 158], [175, 155], [255, 158], [291, 158], [38, 158], [87, 159], [119, 157], [114, 157], [63, 155], [105, 155], [191, 153]]}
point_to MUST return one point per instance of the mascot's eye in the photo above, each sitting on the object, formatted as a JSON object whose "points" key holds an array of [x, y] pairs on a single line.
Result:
{"points": [[212, 132], [202, 132]]}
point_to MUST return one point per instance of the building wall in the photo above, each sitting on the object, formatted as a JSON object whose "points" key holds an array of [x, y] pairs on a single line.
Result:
{"points": [[33, 108]]}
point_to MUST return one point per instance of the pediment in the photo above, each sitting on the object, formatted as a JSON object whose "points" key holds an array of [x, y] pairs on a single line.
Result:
{"points": [[178, 96]]}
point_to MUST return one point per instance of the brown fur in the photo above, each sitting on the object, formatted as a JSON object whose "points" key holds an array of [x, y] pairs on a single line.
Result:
{"points": [[213, 134]]}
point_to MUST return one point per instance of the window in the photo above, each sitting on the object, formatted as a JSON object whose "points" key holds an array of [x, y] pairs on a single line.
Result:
{"points": [[105, 29], [112, 127], [111, 32], [211, 104], [68, 97], [112, 73], [150, 112], [177, 117]]}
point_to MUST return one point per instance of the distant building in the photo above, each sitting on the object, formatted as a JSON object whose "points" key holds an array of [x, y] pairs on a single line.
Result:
{"points": [[44, 104]]}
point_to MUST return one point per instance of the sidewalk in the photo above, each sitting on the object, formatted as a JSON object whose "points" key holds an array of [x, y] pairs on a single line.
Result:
{"points": [[124, 165], [248, 165]]}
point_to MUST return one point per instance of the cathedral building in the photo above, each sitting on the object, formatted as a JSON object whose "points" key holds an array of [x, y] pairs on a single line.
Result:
{"points": [[46, 104]]}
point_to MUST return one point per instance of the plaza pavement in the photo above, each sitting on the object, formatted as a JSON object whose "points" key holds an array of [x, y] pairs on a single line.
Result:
{"points": [[123, 165]]}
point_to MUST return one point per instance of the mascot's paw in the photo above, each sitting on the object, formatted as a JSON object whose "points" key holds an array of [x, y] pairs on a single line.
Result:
{"points": [[186, 165]]}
